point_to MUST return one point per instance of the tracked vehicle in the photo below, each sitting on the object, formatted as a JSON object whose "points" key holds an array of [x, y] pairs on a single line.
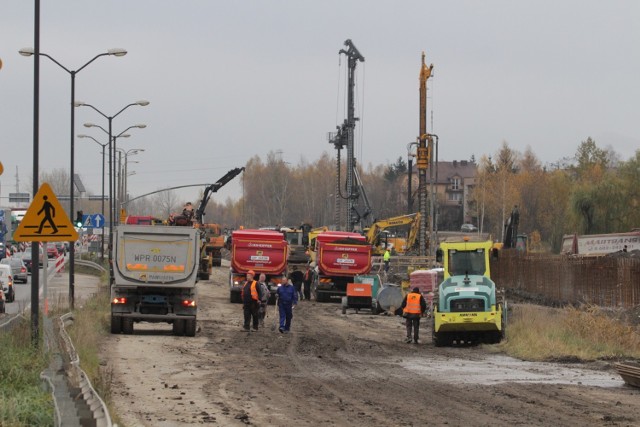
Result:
{"points": [[467, 308]]}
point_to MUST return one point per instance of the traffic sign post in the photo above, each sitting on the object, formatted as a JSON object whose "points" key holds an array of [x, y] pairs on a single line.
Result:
{"points": [[93, 221], [45, 220]]}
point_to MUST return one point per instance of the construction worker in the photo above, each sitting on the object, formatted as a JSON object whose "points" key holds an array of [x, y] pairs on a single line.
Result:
{"points": [[251, 296], [386, 258], [308, 278], [264, 300], [413, 307], [297, 277], [287, 299]]}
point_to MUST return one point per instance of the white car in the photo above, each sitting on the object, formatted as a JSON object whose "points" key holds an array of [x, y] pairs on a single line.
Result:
{"points": [[18, 269], [468, 228]]}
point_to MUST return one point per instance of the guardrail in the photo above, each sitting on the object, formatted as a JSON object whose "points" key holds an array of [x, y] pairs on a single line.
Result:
{"points": [[90, 264], [76, 403]]}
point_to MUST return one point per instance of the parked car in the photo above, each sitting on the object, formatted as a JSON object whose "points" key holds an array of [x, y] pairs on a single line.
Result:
{"points": [[52, 251], [26, 258], [7, 282], [18, 269], [468, 228]]}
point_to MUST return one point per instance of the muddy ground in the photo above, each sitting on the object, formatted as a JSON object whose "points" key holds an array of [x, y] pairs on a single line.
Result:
{"points": [[340, 370]]}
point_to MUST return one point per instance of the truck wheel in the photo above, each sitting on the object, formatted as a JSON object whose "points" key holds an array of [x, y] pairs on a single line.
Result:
{"points": [[116, 324], [190, 327], [178, 327], [127, 325]]}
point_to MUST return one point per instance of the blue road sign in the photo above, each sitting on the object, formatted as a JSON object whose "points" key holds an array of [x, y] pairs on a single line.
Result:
{"points": [[97, 220], [93, 221]]}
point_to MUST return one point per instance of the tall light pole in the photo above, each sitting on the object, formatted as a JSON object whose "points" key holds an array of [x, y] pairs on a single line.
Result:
{"points": [[111, 52], [112, 147], [113, 189], [123, 172], [102, 198]]}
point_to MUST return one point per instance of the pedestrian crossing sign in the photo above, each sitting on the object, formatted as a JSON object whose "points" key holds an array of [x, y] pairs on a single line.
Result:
{"points": [[45, 220]]}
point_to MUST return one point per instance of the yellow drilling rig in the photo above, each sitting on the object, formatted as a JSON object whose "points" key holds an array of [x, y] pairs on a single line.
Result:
{"points": [[424, 161]]}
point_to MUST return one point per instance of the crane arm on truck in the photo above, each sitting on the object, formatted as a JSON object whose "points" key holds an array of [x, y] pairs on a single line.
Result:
{"points": [[210, 189]]}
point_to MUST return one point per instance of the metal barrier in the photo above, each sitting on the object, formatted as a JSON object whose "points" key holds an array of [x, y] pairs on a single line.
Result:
{"points": [[90, 264], [605, 281], [74, 404]]}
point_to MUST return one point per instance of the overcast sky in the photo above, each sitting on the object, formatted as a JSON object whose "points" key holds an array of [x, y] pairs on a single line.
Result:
{"points": [[228, 80]]}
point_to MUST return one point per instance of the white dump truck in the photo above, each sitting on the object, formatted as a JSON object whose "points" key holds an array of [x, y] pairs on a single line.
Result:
{"points": [[155, 273]]}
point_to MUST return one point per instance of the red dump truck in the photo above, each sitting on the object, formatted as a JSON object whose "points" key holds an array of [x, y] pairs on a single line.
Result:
{"points": [[263, 251], [340, 256]]}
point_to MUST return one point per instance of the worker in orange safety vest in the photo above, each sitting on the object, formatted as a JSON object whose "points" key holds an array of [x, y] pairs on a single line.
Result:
{"points": [[413, 308], [251, 295]]}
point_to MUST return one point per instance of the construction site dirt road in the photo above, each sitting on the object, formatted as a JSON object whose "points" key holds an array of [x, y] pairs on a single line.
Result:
{"points": [[341, 370]]}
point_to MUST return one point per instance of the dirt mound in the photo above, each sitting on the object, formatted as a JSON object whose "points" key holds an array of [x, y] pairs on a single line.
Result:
{"points": [[622, 254]]}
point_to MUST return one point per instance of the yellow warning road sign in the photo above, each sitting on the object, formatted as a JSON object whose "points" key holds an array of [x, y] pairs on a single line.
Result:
{"points": [[1, 168], [45, 220]]}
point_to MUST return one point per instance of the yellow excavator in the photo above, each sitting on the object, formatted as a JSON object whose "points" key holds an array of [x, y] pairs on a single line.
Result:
{"points": [[379, 237]]}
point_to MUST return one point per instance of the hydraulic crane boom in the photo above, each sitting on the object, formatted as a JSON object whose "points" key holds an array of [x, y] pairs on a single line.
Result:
{"points": [[210, 189]]}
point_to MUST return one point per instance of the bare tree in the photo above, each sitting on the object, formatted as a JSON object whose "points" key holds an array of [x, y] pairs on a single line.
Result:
{"points": [[166, 202]]}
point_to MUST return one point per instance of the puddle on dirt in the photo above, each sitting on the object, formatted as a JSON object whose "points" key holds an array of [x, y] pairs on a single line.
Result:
{"points": [[496, 369]]}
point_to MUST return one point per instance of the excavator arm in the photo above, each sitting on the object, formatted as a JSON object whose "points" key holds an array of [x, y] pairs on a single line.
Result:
{"points": [[379, 226]]}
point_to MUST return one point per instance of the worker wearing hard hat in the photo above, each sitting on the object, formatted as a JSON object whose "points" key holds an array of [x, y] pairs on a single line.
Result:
{"points": [[413, 307], [386, 258], [251, 295]]}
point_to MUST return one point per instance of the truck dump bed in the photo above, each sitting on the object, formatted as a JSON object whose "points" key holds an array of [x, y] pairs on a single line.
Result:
{"points": [[156, 256], [343, 254], [263, 251]]}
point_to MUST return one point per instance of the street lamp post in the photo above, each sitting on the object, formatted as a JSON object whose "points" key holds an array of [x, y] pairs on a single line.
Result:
{"points": [[117, 174], [102, 198], [72, 73], [112, 147], [113, 188], [123, 173]]}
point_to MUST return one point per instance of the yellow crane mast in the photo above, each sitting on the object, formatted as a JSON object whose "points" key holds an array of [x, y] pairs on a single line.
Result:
{"points": [[425, 143]]}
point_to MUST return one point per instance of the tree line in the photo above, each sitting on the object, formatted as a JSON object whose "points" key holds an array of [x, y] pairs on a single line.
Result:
{"points": [[593, 192]]}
